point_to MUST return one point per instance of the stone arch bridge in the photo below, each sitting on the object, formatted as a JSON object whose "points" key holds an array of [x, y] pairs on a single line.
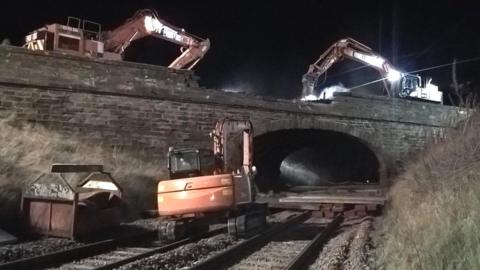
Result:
{"points": [[149, 108]]}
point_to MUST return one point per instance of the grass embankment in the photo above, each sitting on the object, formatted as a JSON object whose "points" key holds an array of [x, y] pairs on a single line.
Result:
{"points": [[26, 151], [433, 221]]}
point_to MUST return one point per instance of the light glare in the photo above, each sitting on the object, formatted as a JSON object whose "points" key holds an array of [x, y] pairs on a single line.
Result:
{"points": [[394, 75]]}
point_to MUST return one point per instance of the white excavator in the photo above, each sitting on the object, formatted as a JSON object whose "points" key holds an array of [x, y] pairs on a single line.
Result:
{"points": [[396, 83], [86, 38]]}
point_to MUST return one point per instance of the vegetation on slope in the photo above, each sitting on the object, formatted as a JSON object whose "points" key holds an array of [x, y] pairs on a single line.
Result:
{"points": [[26, 151], [433, 220]]}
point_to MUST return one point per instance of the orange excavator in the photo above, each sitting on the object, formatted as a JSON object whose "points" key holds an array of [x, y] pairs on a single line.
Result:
{"points": [[86, 38], [204, 187]]}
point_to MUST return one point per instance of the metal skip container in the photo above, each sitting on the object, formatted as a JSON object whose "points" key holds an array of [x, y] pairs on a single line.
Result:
{"points": [[52, 206]]}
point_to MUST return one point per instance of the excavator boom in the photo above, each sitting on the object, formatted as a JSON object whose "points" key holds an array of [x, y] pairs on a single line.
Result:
{"points": [[397, 84], [350, 49], [146, 23], [224, 129]]}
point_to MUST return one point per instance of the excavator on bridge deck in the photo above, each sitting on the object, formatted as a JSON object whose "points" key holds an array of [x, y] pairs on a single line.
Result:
{"points": [[396, 83], [86, 38]]}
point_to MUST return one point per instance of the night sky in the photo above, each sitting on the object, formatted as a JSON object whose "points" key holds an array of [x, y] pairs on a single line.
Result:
{"points": [[264, 47]]}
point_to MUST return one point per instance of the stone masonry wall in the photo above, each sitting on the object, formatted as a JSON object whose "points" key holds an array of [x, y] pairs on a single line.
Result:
{"points": [[148, 108]]}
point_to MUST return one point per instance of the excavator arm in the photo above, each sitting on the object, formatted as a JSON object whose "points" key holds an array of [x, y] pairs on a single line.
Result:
{"points": [[224, 129], [350, 49], [146, 23]]}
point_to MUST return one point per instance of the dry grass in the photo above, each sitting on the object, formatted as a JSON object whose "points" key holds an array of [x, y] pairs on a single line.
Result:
{"points": [[26, 151], [433, 221]]}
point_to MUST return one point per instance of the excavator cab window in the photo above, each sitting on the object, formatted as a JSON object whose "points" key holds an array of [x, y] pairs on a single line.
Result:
{"points": [[68, 43], [190, 162], [409, 84], [183, 163], [207, 161]]}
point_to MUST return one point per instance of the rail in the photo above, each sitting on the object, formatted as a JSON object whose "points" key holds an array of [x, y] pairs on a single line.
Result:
{"points": [[84, 252], [223, 258], [160, 249], [299, 256], [311, 251]]}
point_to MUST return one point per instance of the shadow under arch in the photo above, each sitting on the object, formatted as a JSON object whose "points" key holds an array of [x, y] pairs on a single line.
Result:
{"points": [[302, 158]]}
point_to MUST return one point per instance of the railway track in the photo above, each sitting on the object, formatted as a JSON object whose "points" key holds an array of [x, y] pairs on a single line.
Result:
{"points": [[34, 247], [189, 255], [72, 253], [289, 245], [31, 246], [127, 254], [105, 254], [212, 251]]}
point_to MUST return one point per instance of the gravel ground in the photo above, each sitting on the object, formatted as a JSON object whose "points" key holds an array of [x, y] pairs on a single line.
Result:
{"points": [[34, 248], [334, 253], [350, 249], [150, 224], [184, 256], [281, 216], [153, 224], [181, 257], [121, 252], [190, 254], [279, 252], [358, 255], [102, 259], [274, 255]]}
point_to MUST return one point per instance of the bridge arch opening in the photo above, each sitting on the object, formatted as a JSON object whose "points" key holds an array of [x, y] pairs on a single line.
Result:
{"points": [[302, 159]]}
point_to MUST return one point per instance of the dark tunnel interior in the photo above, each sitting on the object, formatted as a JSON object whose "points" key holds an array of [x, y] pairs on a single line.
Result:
{"points": [[306, 158]]}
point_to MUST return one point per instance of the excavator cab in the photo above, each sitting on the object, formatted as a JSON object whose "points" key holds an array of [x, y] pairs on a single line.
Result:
{"points": [[77, 37], [189, 162], [409, 83], [412, 86]]}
